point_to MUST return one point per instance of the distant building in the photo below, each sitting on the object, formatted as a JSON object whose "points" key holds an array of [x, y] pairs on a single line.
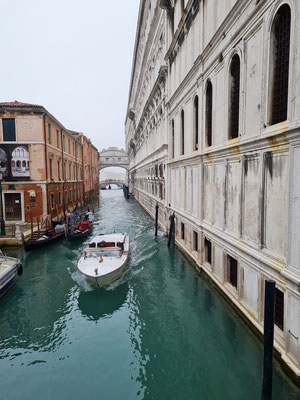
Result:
{"points": [[42, 164], [90, 157], [212, 132]]}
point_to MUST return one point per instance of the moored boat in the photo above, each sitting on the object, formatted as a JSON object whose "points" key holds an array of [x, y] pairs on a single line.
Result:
{"points": [[10, 269], [39, 240], [104, 260], [81, 230]]}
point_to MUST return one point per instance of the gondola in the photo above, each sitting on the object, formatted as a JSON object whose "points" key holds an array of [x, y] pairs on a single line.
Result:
{"points": [[78, 233], [47, 237]]}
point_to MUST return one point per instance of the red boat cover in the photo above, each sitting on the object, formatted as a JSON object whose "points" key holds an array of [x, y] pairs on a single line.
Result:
{"points": [[84, 225]]}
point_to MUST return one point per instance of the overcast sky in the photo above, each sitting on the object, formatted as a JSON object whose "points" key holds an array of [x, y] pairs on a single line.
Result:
{"points": [[73, 57]]}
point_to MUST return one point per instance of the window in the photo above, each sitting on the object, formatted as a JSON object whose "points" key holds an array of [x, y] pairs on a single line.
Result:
{"points": [[232, 270], [69, 143], [279, 308], [196, 123], [58, 170], [49, 133], [182, 6], [59, 198], [65, 170], [52, 200], [64, 142], [234, 110], [57, 139], [51, 168], [207, 250], [173, 140], [195, 241], [66, 196], [70, 195], [73, 171], [208, 114], [9, 129], [70, 171], [182, 132], [281, 31], [73, 149], [182, 231]]}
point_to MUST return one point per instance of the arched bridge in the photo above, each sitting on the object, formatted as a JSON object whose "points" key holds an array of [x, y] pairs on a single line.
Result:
{"points": [[113, 157], [107, 182]]}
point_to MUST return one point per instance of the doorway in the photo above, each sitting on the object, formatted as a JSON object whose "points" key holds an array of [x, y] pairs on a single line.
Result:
{"points": [[13, 210]]}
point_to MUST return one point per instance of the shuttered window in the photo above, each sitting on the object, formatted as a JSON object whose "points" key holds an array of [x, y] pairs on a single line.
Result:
{"points": [[9, 129]]}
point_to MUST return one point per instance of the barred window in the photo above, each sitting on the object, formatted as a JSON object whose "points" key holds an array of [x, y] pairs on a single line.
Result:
{"points": [[207, 250], [281, 54], [208, 114], [232, 270], [173, 140], [182, 231], [182, 132], [279, 308], [234, 112], [196, 123]]}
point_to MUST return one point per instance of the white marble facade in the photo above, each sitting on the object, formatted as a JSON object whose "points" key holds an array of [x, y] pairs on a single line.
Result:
{"points": [[235, 192]]}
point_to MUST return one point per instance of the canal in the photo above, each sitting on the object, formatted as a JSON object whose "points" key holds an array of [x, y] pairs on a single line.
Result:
{"points": [[160, 332]]}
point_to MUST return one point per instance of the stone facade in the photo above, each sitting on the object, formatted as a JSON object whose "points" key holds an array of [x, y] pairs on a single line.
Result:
{"points": [[213, 134], [41, 163]]}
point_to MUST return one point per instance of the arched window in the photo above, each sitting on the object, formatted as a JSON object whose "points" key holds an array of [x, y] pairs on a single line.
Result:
{"points": [[234, 106], [18, 164], [182, 131], [208, 114], [24, 164], [196, 123], [173, 140], [281, 31]]}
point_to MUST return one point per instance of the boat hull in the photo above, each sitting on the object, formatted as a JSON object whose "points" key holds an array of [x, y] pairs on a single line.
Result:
{"points": [[108, 278], [8, 285], [73, 236], [36, 244]]}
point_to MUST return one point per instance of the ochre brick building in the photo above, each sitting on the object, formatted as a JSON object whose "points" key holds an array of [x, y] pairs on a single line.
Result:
{"points": [[42, 166]]}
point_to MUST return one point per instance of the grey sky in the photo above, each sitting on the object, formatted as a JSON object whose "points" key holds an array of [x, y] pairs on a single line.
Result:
{"points": [[73, 57]]}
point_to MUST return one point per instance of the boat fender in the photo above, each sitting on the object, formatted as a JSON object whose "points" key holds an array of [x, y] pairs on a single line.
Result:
{"points": [[102, 244], [20, 270]]}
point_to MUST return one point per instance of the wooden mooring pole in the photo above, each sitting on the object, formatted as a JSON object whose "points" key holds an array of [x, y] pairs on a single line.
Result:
{"points": [[172, 227], [156, 218], [268, 340]]}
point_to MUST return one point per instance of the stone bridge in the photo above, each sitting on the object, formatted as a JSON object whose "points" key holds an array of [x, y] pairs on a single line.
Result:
{"points": [[113, 157], [107, 182]]}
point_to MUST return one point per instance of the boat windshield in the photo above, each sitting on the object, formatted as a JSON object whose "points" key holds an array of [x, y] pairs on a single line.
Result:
{"points": [[104, 253]]}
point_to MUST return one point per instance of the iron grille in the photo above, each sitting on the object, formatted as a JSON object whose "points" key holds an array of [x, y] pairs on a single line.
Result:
{"points": [[282, 29], [208, 113], [196, 115], [279, 308], [235, 97], [232, 271]]}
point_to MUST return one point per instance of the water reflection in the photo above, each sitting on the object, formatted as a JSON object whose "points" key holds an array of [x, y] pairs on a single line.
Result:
{"points": [[98, 303]]}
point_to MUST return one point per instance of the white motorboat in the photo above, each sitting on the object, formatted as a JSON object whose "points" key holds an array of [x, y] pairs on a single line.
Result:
{"points": [[10, 269], [104, 259]]}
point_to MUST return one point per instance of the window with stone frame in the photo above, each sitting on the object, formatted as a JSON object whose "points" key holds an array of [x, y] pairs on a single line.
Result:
{"points": [[59, 198], [279, 308], [196, 123], [207, 250], [182, 230], [195, 241], [280, 39], [182, 131], [232, 267], [234, 101], [173, 139], [208, 114]]}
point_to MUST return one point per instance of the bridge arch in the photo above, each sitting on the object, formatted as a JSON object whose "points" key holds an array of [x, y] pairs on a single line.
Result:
{"points": [[113, 157]]}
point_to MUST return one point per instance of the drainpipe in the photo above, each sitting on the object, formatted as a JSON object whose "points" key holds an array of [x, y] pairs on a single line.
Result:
{"points": [[46, 161]]}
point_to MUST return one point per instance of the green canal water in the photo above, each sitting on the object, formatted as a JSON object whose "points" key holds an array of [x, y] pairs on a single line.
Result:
{"points": [[160, 332]]}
